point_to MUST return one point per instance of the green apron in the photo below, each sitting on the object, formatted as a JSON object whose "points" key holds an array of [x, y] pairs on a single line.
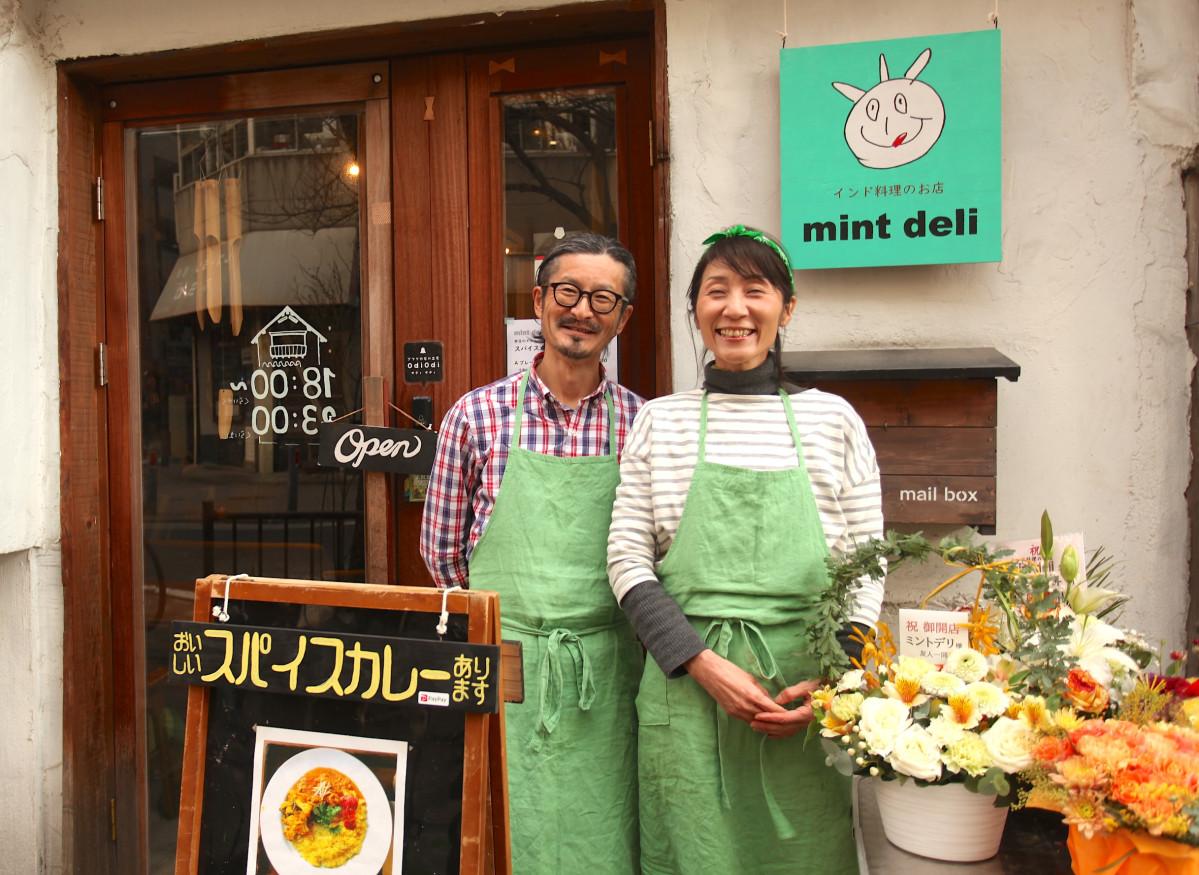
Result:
{"points": [[746, 567], [572, 744]]}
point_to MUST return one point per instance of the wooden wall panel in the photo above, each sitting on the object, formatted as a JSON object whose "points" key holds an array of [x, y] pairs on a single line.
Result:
{"points": [[966, 451], [434, 263], [945, 403], [206, 95], [377, 321]]}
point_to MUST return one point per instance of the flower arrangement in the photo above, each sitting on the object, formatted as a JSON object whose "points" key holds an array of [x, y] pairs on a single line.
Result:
{"points": [[905, 718], [1109, 774], [1049, 634]]}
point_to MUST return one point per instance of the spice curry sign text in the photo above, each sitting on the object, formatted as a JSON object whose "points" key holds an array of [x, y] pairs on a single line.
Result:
{"points": [[359, 668]]}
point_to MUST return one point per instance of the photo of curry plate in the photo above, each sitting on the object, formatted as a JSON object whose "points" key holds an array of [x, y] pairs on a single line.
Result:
{"points": [[325, 811], [324, 817]]}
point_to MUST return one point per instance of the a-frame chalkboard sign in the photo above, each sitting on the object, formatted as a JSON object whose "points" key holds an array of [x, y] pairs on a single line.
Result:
{"points": [[333, 722]]}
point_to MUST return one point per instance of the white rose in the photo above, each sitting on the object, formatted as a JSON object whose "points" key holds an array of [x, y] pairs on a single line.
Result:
{"points": [[945, 730], [941, 683], [880, 722], [851, 680], [988, 698], [916, 754], [968, 664], [1010, 744]]}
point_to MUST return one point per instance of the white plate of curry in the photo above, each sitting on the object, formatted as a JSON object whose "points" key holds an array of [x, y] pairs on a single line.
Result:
{"points": [[324, 811]]}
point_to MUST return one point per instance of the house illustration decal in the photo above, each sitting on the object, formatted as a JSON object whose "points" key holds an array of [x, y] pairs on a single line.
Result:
{"points": [[287, 337]]}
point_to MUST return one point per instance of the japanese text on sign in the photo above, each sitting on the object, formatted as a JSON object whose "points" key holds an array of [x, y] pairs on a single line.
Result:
{"points": [[932, 635], [366, 668]]}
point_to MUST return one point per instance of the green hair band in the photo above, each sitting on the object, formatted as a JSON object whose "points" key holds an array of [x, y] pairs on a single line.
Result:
{"points": [[752, 234]]}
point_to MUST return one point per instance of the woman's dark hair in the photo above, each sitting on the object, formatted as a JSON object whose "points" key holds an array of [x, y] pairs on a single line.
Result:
{"points": [[588, 243], [752, 260]]}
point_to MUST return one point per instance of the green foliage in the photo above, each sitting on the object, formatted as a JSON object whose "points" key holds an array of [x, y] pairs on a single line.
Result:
{"points": [[325, 814], [832, 613], [992, 781]]}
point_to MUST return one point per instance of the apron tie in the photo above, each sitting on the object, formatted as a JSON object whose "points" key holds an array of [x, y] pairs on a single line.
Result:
{"points": [[718, 636], [560, 644]]}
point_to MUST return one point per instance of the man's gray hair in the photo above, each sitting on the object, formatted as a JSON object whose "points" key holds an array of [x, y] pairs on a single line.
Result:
{"points": [[588, 243]]}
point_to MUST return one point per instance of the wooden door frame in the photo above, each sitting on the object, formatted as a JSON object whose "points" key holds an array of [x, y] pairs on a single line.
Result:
{"points": [[91, 765]]}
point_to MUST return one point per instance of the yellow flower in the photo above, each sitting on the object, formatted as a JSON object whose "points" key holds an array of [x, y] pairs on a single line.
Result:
{"points": [[982, 631], [1190, 709], [847, 706], [969, 754], [962, 709], [905, 688], [823, 698], [1035, 714], [1067, 719]]}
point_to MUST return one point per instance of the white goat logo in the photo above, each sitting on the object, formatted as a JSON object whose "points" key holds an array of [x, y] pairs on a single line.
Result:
{"points": [[896, 121]]}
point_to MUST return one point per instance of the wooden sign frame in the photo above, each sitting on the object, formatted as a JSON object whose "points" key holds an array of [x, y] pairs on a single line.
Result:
{"points": [[485, 847]]}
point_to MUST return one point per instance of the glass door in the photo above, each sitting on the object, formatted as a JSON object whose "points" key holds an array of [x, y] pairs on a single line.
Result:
{"points": [[563, 144], [249, 293], [560, 174]]}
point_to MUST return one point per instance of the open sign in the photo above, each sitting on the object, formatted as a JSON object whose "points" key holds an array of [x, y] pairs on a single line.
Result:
{"points": [[369, 448]]}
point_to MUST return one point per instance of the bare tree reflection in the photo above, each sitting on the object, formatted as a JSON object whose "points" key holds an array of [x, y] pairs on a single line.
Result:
{"points": [[584, 126]]}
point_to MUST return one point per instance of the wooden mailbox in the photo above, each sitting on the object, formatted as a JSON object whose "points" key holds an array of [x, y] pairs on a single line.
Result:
{"points": [[932, 416]]}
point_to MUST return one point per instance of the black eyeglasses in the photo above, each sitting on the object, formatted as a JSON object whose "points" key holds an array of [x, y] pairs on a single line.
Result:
{"points": [[601, 300]]}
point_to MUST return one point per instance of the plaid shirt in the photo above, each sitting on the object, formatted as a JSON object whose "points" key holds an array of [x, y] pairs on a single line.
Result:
{"points": [[472, 452]]}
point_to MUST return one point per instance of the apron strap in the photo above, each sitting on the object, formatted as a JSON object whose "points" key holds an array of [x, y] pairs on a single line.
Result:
{"points": [[703, 427], [611, 421], [791, 423], [518, 415], [718, 636]]}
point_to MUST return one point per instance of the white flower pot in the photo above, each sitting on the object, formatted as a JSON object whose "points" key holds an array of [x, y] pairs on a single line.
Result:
{"points": [[945, 822]]}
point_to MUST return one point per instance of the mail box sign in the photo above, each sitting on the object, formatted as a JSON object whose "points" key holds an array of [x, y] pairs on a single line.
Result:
{"points": [[932, 418]]}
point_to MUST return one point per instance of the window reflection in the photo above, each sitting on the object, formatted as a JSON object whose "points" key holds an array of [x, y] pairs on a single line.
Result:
{"points": [[249, 286], [560, 175]]}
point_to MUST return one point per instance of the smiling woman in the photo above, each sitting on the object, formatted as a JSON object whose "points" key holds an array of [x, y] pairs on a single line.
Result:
{"points": [[731, 497]]}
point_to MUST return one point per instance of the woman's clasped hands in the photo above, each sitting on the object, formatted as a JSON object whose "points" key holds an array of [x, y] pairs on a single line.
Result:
{"points": [[741, 696]]}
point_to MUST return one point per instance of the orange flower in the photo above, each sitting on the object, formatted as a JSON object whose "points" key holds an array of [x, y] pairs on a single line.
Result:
{"points": [[1085, 693], [1052, 749]]}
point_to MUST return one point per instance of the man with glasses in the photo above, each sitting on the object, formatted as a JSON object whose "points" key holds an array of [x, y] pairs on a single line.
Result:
{"points": [[520, 501]]}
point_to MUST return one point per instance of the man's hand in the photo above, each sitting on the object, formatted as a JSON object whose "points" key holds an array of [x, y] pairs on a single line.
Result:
{"points": [[734, 689], [787, 723]]}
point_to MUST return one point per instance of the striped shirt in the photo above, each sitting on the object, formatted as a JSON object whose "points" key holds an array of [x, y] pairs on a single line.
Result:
{"points": [[472, 452], [747, 431]]}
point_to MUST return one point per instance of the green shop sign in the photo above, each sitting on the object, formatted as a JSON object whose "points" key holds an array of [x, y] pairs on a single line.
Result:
{"points": [[891, 151]]}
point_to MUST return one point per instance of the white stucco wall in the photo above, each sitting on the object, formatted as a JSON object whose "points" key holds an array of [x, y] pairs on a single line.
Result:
{"points": [[1100, 110], [30, 578]]}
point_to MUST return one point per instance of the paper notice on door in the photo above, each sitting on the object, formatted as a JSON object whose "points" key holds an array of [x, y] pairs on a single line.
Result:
{"points": [[523, 346]]}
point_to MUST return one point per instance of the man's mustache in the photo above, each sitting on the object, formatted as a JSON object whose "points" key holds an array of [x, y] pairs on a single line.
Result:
{"points": [[576, 322]]}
